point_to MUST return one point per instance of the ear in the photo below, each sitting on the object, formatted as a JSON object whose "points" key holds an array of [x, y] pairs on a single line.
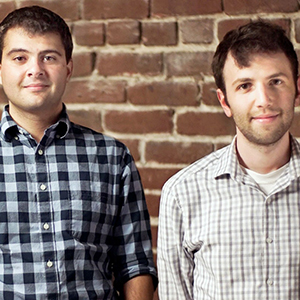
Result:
{"points": [[224, 104], [69, 69], [297, 99]]}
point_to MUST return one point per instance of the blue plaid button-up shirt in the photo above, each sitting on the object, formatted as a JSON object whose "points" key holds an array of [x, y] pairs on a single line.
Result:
{"points": [[72, 214]]}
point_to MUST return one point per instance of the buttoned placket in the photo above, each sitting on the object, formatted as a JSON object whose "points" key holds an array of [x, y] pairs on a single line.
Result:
{"points": [[270, 246]]}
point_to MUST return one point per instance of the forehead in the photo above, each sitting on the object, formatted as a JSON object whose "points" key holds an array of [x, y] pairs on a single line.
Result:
{"points": [[258, 64], [19, 37]]}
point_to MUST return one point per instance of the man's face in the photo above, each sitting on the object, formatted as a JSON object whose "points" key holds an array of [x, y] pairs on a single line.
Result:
{"points": [[34, 72], [261, 97]]}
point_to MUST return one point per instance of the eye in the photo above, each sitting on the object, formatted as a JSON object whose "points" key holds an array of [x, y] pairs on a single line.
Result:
{"points": [[276, 81], [19, 58], [244, 86], [49, 58]]}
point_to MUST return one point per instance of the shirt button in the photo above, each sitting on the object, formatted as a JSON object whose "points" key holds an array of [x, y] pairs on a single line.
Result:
{"points": [[46, 226], [49, 264], [40, 152], [270, 282], [269, 240], [16, 138], [43, 187]]}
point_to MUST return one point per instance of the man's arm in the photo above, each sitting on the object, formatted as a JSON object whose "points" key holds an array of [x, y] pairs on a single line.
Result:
{"points": [[140, 287]]}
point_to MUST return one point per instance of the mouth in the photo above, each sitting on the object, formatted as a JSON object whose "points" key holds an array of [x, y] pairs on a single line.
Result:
{"points": [[36, 87], [265, 118]]}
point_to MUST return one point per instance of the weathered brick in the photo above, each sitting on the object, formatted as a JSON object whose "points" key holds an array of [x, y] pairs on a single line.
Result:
{"points": [[5, 8], [88, 118], [142, 122], [184, 7], [154, 231], [164, 93], [235, 7], [110, 9], [67, 9], [3, 98], [123, 32], [176, 152], [89, 34], [188, 63], [197, 31], [159, 33], [295, 129], [153, 204], [154, 178], [199, 123], [109, 64], [227, 25], [297, 30], [133, 146], [209, 94], [83, 64], [102, 91]]}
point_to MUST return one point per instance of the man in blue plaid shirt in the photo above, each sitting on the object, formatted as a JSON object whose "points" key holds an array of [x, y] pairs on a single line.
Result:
{"points": [[73, 218]]}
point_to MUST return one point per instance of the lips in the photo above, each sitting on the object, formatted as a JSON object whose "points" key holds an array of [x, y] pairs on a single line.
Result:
{"points": [[36, 86], [265, 118]]}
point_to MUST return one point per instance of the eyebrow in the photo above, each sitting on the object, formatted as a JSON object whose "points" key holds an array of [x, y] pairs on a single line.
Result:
{"points": [[18, 50], [248, 79]]}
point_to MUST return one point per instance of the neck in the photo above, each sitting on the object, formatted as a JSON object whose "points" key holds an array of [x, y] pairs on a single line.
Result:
{"points": [[35, 124], [263, 159]]}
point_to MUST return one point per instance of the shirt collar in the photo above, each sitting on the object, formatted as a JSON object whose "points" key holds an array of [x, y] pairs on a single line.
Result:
{"points": [[9, 128], [229, 164]]}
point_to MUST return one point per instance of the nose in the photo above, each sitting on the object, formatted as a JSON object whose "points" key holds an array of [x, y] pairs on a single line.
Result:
{"points": [[35, 69], [263, 96]]}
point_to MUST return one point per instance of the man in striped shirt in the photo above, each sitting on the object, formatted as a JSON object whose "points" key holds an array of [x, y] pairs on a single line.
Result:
{"points": [[229, 225]]}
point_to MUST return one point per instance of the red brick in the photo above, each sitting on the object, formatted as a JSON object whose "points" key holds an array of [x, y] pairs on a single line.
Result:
{"points": [[123, 32], [155, 178], [3, 98], [295, 129], [67, 9], [189, 63], [102, 91], [6, 8], [209, 94], [159, 33], [142, 122], [133, 146], [185, 7], [88, 118], [89, 34], [164, 93], [199, 123], [197, 31], [110, 9], [297, 30], [174, 152], [109, 64], [236, 7], [154, 231], [153, 204], [227, 25], [83, 64]]}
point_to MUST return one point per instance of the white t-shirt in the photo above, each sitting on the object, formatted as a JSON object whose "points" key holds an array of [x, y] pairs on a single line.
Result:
{"points": [[267, 181]]}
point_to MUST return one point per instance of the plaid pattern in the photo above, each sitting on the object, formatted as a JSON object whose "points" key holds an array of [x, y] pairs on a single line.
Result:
{"points": [[72, 214], [221, 237]]}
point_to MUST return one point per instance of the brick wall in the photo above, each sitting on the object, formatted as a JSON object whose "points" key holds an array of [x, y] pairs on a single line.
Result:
{"points": [[142, 74]]}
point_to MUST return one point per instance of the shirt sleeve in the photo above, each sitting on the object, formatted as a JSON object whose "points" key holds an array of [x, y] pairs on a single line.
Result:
{"points": [[175, 266], [133, 241]]}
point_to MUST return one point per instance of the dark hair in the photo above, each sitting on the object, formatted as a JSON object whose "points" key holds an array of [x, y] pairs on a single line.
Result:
{"points": [[37, 20], [255, 37]]}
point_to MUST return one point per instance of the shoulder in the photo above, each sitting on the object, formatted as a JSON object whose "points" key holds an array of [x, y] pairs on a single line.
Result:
{"points": [[204, 167]]}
